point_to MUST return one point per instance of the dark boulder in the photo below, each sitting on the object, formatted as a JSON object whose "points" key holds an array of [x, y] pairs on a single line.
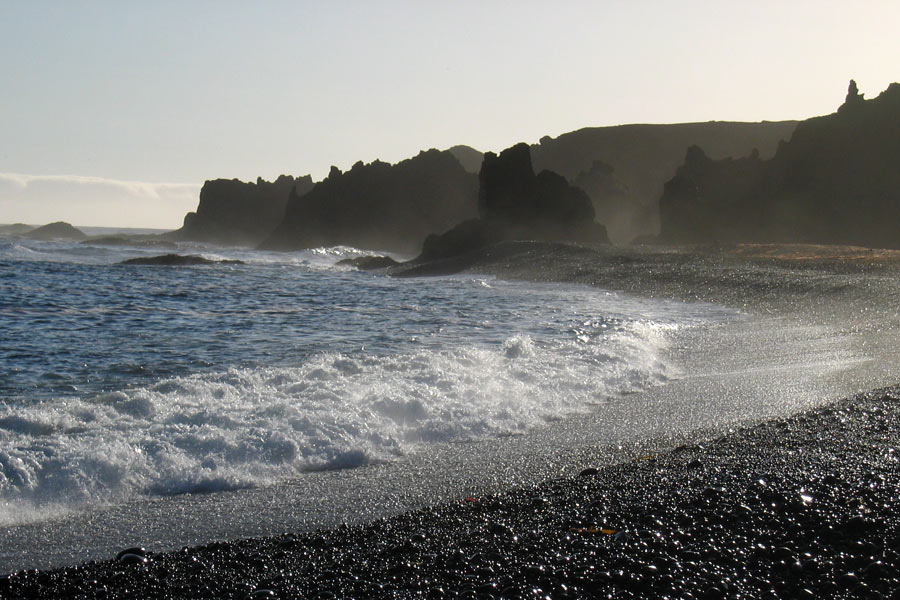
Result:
{"points": [[468, 235], [177, 260], [369, 263]]}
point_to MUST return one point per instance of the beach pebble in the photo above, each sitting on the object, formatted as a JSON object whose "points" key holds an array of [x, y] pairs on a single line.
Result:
{"points": [[133, 559], [135, 550]]}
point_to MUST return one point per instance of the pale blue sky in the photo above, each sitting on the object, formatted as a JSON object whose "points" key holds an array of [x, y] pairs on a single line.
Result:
{"points": [[114, 95]]}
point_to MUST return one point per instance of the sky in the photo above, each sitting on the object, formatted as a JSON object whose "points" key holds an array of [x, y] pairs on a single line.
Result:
{"points": [[114, 113]]}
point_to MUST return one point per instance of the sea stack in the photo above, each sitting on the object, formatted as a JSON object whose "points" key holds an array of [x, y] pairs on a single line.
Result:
{"points": [[514, 203]]}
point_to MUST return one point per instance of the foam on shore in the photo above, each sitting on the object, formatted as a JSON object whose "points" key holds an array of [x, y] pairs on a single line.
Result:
{"points": [[799, 507]]}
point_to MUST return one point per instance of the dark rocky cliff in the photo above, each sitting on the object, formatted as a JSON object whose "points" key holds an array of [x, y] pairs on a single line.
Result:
{"points": [[380, 206], [239, 213], [623, 168], [837, 181], [514, 203]]}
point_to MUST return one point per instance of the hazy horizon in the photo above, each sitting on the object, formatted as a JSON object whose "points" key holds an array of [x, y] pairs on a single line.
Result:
{"points": [[119, 112]]}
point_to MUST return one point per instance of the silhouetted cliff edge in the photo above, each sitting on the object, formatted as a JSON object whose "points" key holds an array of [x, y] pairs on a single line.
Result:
{"points": [[233, 212], [380, 206], [837, 181], [514, 203], [623, 168]]}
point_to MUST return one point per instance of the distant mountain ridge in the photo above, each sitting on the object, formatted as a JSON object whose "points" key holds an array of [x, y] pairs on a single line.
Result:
{"points": [[623, 168], [837, 181]]}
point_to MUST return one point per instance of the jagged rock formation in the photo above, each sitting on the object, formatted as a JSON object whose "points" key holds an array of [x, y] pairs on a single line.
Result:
{"points": [[837, 181], [515, 203], [622, 169], [238, 213], [638, 159], [380, 206], [59, 230]]}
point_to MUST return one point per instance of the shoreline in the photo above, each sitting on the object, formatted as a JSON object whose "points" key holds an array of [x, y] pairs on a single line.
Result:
{"points": [[851, 298], [761, 278], [797, 507]]}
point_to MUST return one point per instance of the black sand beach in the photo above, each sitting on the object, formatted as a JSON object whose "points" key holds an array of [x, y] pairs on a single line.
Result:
{"points": [[803, 507], [798, 507]]}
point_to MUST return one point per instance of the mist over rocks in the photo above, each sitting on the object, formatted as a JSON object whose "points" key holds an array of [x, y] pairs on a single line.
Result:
{"points": [[615, 205], [468, 157], [623, 168], [379, 206], [60, 230], [837, 181], [515, 203], [238, 213], [716, 211]]}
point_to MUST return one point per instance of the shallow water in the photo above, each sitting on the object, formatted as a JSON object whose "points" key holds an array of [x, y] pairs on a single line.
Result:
{"points": [[124, 383]]}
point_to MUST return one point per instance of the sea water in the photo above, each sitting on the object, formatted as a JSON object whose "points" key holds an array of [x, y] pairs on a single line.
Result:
{"points": [[119, 382], [172, 406]]}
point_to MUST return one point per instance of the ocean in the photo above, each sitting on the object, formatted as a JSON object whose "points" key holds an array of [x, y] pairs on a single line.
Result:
{"points": [[130, 390]]}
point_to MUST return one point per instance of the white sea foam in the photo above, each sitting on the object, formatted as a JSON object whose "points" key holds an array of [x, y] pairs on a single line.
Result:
{"points": [[342, 369], [248, 427]]}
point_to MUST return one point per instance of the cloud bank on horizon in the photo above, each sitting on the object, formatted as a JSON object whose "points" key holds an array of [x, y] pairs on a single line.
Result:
{"points": [[94, 201]]}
